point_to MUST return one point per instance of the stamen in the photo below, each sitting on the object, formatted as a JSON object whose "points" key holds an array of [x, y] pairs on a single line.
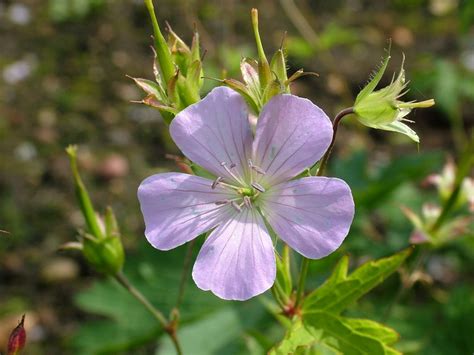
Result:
{"points": [[256, 168], [216, 182], [227, 168], [221, 202], [236, 206], [247, 202], [230, 186], [258, 187]]}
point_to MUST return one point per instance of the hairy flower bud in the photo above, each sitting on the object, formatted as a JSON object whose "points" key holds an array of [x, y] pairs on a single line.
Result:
{"points": [[382, 109], [17, 339]]}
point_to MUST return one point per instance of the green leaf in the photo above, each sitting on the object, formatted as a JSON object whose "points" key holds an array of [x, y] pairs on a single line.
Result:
{"points": [[297, 338], [126, 323], [350, 337], [338, 292], [197, 338], [376, 330]]}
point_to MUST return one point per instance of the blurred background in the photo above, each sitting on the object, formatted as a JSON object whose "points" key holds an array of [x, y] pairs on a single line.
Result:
{"points": [[63, 67]]}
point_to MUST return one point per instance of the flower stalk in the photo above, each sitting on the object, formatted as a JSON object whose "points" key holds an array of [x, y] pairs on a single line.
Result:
{"points": [[169, 327]]}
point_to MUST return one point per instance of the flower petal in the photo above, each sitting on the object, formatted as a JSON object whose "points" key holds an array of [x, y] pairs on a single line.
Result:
{"points": [[312, 215], [292, 134], [179, 207], [237, 261], [215, 130]]}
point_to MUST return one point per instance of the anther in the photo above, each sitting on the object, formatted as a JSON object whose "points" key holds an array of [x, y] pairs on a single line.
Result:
{"points": [[221, 202], [258, 187], [236, 206], [216, 182]]}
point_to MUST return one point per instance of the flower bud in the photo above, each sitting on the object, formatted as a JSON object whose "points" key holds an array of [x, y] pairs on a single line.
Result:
{"points": [[104, 255], [101, 244], [17, 339], [382, 109], [261, 80], [177, 69]]}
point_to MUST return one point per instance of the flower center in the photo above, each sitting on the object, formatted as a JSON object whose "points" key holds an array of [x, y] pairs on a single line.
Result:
{"points": [[247, 192]]}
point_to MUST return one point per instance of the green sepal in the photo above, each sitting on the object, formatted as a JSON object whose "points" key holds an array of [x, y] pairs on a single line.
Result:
{"points": [[278, 67], [105, 255], [243, 90], [372, 84]]}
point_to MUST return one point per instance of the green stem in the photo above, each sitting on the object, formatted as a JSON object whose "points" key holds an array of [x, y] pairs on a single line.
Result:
{"points": [[169, 328], [302, 281], [335, 126]]}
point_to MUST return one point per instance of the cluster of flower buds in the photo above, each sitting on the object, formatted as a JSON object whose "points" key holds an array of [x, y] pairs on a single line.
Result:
{"points": [[177, 69], [263, 80], [101, 244], [382, 109], [427, 226]]}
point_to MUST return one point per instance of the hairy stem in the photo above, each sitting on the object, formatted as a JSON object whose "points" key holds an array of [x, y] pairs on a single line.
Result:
{"points": [[169, 328]]}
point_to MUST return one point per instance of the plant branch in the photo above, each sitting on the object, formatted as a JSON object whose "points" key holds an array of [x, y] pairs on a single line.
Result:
{"points": [[167, 326], [335, 126]]}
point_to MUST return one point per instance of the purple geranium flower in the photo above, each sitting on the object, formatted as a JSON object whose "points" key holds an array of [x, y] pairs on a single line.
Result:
{"points": [[253, 184]]}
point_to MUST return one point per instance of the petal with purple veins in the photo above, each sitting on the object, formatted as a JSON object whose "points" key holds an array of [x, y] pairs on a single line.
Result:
{"points": [[216, 130], [292, 134], [312, 215], [237, 261], [179, 207]]}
